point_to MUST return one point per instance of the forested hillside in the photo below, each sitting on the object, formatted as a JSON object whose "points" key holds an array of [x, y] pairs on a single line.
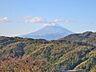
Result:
{"points": [[73, 52]]}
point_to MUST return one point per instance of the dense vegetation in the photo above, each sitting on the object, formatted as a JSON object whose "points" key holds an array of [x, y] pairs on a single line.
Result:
{"points": [[74, 52]]}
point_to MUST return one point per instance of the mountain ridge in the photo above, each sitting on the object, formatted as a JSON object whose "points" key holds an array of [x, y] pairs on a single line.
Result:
{"points": [[75, 52]]}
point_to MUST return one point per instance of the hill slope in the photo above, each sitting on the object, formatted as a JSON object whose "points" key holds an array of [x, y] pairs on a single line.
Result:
{"points": [[74, 52]]}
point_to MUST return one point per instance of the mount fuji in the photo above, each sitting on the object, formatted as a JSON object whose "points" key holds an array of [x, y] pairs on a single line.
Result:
{"points": [[49, 33]]}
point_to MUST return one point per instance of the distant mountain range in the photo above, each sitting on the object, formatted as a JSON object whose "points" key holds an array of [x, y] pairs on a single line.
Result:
{"points": [[49, 33]]}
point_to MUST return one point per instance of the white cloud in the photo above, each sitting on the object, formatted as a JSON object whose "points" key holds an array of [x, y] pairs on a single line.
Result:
{"points": [[60, 20], [56, 20], [50, 24], [43, 21], [4, 20], [35, 19]]}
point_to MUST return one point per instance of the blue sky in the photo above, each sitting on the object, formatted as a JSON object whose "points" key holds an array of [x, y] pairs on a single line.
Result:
{"points": [[75, 15]]}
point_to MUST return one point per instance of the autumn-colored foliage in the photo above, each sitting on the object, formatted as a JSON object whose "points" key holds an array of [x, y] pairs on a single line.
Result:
{"points": [[74, 52]]}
